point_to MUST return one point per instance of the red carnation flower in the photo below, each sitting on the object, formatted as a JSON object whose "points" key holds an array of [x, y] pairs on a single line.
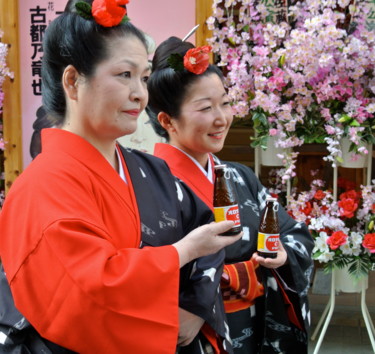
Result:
{"points": [[319, 195], [345, 184], [109, 13], [307, 209], [369, 242], [352, 194], [337, 239], [196, 60], [347, 207]]}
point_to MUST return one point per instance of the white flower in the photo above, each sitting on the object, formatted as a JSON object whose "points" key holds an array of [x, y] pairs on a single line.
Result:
{"points": [[325, 257], [321, 243], [356, 238], [346, 249]]}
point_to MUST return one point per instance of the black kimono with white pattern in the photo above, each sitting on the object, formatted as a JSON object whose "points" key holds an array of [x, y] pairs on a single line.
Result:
{"points": [[166, 217], [168, 211], [265, 327]]}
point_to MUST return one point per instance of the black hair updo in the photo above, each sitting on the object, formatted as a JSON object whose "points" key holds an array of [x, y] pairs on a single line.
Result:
{"points": [[167, 88]]}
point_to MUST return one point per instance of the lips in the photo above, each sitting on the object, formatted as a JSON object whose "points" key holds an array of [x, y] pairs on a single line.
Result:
{"points": [[217, 135], [133, 112]]}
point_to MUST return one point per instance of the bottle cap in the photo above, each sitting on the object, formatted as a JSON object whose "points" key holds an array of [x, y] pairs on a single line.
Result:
{"points": [[271, 198], [216, 167]]}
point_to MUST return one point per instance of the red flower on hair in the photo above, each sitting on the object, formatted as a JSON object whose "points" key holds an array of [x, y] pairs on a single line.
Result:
{"points": [[196, 60], [369, 242], [337, 239], [109, 13]]}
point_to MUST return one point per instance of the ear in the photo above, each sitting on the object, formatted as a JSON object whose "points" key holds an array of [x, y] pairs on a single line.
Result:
{"points": [[70, 82], [166, 121]]}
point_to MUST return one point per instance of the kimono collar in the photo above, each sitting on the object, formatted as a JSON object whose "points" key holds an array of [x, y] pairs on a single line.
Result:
{"points": [[209, 173], [183, 167], [62, 141]]}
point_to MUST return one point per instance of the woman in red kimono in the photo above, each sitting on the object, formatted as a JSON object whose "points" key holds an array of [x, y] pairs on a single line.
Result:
{"points": [[77, 225], [266, 305]]}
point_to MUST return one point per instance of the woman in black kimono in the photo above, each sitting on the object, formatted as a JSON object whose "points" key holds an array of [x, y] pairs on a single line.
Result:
{"points": [[188, 106]]}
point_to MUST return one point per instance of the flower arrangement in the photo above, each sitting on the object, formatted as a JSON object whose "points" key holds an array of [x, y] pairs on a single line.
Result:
{"points": [[307, 79], [343, 230], [4, 73]]}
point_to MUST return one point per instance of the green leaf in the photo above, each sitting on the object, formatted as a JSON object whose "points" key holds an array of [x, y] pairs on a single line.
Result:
{"points": [[343, 119], [354, 123], [263, 119], [251, 96], [282, 61], [84, 10], [255, 116], [360, 267], [176, 62], [317, 254], [231, 41], [125, 19]]}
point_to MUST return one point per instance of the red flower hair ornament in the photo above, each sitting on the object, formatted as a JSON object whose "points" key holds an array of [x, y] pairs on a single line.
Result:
{"points": [[107, 13], [195, 60]]}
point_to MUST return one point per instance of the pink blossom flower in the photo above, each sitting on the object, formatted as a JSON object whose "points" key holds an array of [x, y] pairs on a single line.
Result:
{"points": [[273, 132]]}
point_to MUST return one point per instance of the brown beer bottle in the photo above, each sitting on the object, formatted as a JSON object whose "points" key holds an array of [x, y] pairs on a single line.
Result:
{"points": [[225, 200], [269, 231]]}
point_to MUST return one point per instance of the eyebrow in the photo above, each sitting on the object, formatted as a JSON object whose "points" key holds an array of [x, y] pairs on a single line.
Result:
{"points": [[208, 98], [136, 65]]}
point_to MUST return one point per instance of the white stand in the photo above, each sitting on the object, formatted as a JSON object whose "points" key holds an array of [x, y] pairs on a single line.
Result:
{"points": [[329, 309], [257, 170]]}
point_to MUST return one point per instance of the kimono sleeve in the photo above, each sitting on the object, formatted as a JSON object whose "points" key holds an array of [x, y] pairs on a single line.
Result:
{"points": [[80, 292], [200, 292], [79, 285]]}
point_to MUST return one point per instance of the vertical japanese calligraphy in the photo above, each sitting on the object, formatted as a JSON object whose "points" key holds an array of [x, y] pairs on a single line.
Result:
{"points": [[34, 17], [37, 29]]}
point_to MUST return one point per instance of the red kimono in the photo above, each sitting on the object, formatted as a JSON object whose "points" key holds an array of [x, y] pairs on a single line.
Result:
{"points": [[76, 273]]}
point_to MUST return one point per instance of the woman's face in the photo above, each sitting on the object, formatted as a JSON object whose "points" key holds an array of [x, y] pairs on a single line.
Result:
{"points": [[205, 118], [110, 102]]}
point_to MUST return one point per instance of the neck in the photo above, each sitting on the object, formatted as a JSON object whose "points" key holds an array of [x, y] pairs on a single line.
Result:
{"points": [[106, 148]]}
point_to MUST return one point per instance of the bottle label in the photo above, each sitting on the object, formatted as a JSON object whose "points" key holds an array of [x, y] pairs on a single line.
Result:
{"points": [[230, 213], [268, 243]]}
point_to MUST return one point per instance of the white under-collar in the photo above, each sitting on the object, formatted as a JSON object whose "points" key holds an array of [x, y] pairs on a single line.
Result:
{"points": [[121, 171], [207, 173]]}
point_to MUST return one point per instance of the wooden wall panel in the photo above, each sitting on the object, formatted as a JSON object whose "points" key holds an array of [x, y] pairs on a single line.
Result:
{"points": [[203, 12], [12, 90]]}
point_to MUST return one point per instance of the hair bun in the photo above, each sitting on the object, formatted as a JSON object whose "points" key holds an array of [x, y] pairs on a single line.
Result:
{"points": [[172, 45]]}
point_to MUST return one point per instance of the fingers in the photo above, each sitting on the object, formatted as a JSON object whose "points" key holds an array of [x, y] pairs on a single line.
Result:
{"points": [[228, 240], [222, 226], [272, 262], [183, 342]]}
